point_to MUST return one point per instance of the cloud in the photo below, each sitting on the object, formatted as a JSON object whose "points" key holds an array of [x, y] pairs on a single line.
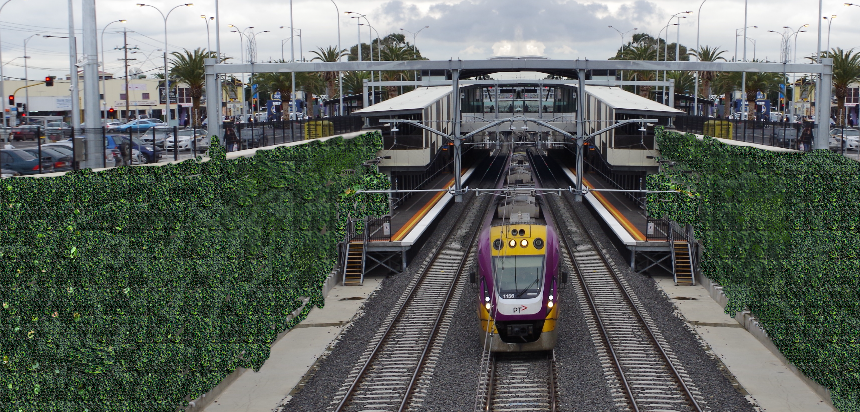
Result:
{"points": [[492, 21], [472, 50], [564, 50]]}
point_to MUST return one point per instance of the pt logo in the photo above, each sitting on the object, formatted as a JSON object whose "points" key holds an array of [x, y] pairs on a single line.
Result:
{"points": [[520, 309]]}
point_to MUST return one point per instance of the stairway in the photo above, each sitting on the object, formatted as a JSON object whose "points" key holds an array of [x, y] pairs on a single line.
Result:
{"points": [[682, 263], [353, 271]]}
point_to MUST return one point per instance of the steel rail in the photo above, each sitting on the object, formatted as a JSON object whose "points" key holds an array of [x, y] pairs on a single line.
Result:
{"points": [[687, 393], [400, 312], [448, 295], [491, 380], [603, 333]]}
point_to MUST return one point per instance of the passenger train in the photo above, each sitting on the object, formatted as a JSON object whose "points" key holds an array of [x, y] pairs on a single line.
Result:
{"points": [[518, 270]]}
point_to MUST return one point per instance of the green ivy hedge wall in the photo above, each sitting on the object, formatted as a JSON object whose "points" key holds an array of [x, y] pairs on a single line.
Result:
{"points": [[141, 288], [781, 234]]}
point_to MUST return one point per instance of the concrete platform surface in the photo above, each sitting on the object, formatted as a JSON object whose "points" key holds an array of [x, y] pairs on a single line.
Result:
{"points": [[772, 384], [294, 354]]}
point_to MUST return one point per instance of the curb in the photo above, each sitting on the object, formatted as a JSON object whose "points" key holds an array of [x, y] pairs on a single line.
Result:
{"points": [[750, 323]]}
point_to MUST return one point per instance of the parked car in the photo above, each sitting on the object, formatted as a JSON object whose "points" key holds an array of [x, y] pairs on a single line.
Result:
{"points": [[25, 132], [201, 141], [62, 160], [851, 137], [148, 153], [162, 133], [23, 162], [112, 154], [58, 131], [140, 125], [7, 173]]}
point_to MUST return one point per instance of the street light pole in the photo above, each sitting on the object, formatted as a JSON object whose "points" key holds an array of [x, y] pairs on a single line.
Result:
{"points": [[622, 43], [744, 74], [241, 75], [3, 95], [166, 74], [829, 23], [104, 63], [698, 27], [208, 42], [26, 80], [415, 48], [339, 73]]}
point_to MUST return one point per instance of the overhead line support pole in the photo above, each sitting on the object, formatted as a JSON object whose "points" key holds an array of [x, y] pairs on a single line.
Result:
{"points": [[458, 195]]}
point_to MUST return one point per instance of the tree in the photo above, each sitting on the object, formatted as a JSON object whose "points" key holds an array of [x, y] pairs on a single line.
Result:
{"points": [[761, 82], [726, 83], [187, 67], [846, 70], [329, 54], [643, 50], [353, 82], [684, 81], [707, 54], [395, 52]]}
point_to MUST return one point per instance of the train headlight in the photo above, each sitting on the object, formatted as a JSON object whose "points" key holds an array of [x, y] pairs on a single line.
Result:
{"points": [[487, 305], [486, 298], [512, 243], [550, 304], [550, 297], [524, 242]]}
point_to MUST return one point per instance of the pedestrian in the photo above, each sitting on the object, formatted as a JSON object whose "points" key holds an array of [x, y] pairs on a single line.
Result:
{"points": [[806, 137], [231, 139]]}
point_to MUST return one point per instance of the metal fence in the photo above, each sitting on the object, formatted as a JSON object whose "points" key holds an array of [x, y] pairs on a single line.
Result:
{"points": [[777, 134], [160, 143], [260, 134]]}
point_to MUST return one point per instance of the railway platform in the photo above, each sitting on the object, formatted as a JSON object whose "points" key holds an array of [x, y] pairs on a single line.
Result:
{"points": [[388, 247]]}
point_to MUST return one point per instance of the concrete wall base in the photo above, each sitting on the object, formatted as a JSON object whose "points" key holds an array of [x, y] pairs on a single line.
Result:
{"points": [[750, 323]]}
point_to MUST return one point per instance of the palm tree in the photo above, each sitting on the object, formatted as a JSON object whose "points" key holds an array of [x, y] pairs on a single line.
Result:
{"points": [[726, 83], [643, 50], [763, 83], [188, 68], [707, 54], [269, 83], [684, 81], [353, 82], [846, 70], [395, 52], [329, 54]]}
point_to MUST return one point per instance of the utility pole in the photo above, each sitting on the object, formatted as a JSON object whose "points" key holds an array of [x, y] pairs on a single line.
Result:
{"points": [[125, 59]]}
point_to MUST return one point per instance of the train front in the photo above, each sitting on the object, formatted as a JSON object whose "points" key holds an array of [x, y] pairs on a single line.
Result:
{"points": [[519, 277]]}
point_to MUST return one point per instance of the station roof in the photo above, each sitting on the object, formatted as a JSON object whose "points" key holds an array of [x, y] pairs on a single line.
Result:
{"points": [[625, 102], [413, 102]]}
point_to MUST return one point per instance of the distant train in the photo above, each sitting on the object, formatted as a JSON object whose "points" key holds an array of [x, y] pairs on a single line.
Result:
{"points": [[518, 270]]}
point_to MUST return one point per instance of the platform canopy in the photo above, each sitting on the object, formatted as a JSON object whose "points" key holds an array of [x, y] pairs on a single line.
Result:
{"points": [[408, 103], [625, 102]]}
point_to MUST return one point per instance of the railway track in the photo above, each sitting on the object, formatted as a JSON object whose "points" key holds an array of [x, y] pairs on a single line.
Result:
{"points": [[650, 376], [519, 382], [386, 374]]}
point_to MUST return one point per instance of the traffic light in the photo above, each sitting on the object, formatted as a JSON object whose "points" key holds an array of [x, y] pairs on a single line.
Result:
{"points": [[111, 113], [49, 81], [12, 100]]}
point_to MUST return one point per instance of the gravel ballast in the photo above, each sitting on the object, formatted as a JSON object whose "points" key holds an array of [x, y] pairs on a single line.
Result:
{"points": [[581, 382]]}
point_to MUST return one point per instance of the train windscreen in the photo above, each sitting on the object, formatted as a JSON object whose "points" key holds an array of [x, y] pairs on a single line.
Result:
{"points": [[518, 277]]}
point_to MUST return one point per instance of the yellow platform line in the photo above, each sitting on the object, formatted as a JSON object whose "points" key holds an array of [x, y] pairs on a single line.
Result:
{"points": [[629, 227], [421, 213]]}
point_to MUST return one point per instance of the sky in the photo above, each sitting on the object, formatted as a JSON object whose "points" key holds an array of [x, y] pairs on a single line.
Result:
{"points": [[455, 29]]}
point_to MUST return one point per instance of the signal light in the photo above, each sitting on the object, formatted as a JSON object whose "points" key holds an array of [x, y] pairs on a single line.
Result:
{"points": [[49, 81], [11, 100], [111, 112]]}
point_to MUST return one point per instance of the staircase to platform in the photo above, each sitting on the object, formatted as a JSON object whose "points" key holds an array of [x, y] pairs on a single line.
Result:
{"points": [[682, 263], [353, 268]]}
